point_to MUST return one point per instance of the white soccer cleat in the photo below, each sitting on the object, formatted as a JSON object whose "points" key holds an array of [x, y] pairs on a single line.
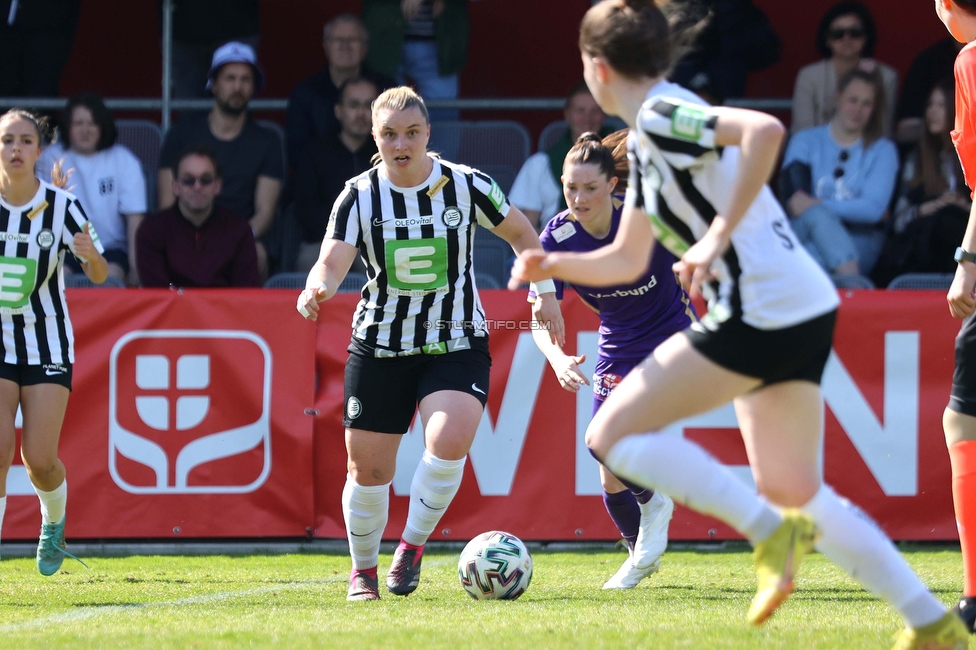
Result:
{"points": [[652, 538], [629, 576]]}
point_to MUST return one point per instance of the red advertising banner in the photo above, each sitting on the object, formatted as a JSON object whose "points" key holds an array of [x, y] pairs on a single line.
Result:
{"points": [[885, 387], [208, 414], [187, 418]]}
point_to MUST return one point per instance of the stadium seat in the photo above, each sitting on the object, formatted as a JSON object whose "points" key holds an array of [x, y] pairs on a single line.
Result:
{"points": [[491, 258], [287, 280], [554, 130], [497, 148], [852, 282], [485, 281], [932, 281], [81, 281], [144, 139], [353, 283]]}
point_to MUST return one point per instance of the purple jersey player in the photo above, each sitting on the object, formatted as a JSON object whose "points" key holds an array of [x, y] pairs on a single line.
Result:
{"points": [[634, 319]]}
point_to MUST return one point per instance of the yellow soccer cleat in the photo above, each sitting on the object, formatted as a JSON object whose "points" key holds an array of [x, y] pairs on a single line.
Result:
{"points": [[777, 561], [947, 633]]}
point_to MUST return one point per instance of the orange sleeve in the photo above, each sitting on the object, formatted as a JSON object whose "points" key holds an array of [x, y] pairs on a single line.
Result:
{"points": [[964, 135]]}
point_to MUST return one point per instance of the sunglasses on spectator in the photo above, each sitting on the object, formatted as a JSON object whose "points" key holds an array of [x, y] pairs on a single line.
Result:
{"points": [[189, 181], [841, 159], [838, 33]]}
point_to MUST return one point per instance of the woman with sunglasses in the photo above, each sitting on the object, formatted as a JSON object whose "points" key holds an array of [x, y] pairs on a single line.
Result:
{"points": [[196, 243], [845, 38], [698, 186], [838, 179]]}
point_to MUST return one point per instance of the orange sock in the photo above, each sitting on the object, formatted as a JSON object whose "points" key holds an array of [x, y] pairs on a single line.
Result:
{"points": [[962, 457]]}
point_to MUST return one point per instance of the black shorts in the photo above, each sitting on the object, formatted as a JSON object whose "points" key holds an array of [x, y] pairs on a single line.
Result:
{"points": [[798, 352], [48, 373], [962, 399], [382, 394]]}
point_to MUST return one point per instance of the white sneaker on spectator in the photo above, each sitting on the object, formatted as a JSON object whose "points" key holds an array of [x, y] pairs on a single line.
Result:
{"points": [[652, 537]]}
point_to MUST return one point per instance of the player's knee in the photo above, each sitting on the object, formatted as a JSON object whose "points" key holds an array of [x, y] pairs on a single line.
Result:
{"points": [[788, 490]]}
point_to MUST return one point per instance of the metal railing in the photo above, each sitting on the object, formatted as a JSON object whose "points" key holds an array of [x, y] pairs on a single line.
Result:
{"points": [[165, 104]]}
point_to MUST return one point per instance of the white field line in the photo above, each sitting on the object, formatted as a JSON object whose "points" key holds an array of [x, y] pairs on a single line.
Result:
{"points": [[84, 613]]}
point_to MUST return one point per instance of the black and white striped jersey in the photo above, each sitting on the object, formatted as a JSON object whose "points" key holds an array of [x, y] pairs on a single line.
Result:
{"points": [[33, 311], [682, 180], [417, 243]]}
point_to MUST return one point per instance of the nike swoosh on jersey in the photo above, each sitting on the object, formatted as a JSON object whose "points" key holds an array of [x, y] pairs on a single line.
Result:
{"points": [[377, 222], [49, 372], [475, 388]]}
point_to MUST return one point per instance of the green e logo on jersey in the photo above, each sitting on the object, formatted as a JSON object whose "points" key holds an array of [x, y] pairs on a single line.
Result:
{"points": [[687, 123], [496, 196], [417, 265], [17, 275]]}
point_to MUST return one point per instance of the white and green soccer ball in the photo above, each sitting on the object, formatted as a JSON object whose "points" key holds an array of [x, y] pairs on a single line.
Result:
{"points": [[495, 566]]}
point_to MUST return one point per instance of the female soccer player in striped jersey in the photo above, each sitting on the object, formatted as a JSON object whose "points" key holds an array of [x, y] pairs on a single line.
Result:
{"points": [[39, 224], [698, 178], [635, 317], [419, 332], [959, 419]]}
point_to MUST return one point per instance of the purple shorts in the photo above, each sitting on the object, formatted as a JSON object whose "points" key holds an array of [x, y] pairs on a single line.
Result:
{"points": [[607, 375]]}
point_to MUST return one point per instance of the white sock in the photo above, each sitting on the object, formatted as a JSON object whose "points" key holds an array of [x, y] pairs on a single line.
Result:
{"points": [[53, 503], [434, 485], [3, 509], [686, 473], [853, 542], [365, 509]]}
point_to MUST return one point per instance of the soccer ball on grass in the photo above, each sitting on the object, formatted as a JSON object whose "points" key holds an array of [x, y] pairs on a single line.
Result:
{"points": [[495, 566]]}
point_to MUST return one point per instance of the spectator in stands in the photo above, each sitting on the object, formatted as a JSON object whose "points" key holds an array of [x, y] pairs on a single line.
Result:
{"points": [[423, 41], [249, 155], [199, 27], [312, 105], [196, 243], [933, 202], [837, 179], [736, 40], [329, 162], [846, 38], [932, 65], [36, 38], [537, 191], [105, 176]]}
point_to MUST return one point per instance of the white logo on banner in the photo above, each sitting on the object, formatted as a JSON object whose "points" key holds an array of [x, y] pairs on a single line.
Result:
{"points": [[153, 372]]}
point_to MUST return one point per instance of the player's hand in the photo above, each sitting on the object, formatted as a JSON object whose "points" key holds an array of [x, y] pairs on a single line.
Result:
{"points": [[962, 302], [695, 266], [308, 302], [545, 310], [569, 374], [83, 245], [531, 266]]}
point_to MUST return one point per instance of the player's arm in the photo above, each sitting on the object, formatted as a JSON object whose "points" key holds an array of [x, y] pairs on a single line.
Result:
{"points": [[92, 262], [759, 137], [325, 276], [519, 233], [620, 262]]}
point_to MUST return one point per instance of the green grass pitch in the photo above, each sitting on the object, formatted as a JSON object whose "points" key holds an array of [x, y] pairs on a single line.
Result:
{"points": [[697, 600]]}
